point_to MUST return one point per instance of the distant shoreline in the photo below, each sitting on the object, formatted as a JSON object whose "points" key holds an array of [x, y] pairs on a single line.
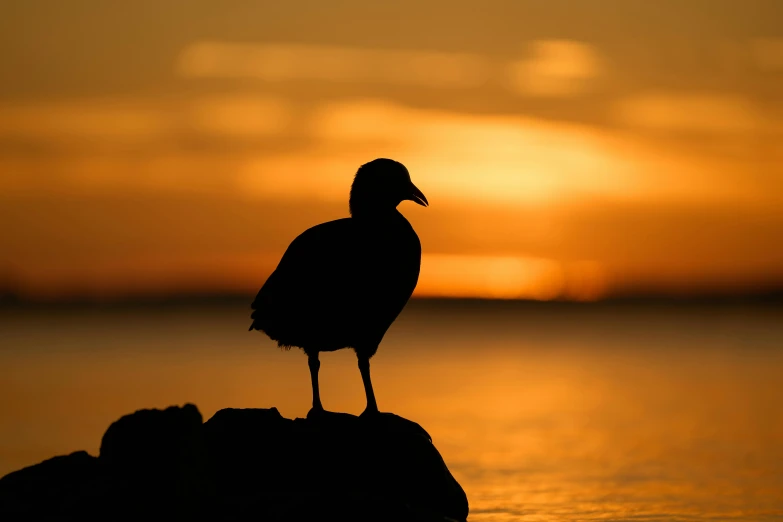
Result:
{"points": [[772, 298]]}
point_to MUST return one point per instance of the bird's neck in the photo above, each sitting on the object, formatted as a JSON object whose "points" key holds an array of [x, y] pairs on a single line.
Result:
{"points": [[375, 214]]}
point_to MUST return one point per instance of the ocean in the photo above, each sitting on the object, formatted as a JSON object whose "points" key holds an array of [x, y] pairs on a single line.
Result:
{"points": [[542, 411]]}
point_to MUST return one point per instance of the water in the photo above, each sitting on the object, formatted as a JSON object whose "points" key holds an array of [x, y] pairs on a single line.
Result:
{"points": [[542, 412]]}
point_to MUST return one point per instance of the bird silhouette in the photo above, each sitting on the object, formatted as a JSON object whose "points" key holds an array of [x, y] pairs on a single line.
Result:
{"points": [[341, 284]]}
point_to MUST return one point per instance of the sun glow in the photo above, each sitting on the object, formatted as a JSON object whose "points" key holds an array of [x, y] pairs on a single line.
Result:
{"points": [[507, 277], [558, 163]]}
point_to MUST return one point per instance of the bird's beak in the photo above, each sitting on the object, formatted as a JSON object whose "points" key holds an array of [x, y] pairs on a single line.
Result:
{"points": [[417, 197]]}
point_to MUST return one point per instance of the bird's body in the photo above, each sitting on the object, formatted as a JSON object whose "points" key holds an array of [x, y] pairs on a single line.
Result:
{"points": [[342, 284]]}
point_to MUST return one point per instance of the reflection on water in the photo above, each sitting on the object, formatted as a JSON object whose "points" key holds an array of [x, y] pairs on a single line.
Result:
{"points": [[542, 412]]}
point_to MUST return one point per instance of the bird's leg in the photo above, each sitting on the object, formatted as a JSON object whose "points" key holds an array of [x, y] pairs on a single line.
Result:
{"points": [[364, 368], [315, 365]]}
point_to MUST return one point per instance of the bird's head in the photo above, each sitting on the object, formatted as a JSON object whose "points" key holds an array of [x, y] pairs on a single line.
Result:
{"points": [[380, 186]]}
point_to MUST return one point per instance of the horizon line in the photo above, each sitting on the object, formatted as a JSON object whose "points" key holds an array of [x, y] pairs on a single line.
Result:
{"points": [[770, 295]]}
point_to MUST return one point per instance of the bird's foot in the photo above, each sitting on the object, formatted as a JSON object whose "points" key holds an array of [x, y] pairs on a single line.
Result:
{"points": [[390, 421], [324, 417], [369, 413], [317, 412]]}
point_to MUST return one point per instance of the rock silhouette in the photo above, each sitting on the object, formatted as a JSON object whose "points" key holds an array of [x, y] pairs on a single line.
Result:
{"points": [[243, 464]]}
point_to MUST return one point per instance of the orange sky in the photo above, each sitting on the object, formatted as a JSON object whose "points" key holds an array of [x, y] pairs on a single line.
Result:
{"points": [[568, 149]]}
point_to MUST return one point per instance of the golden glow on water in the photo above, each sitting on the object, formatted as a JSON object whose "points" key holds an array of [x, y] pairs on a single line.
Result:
{"points": [[541, 413]]}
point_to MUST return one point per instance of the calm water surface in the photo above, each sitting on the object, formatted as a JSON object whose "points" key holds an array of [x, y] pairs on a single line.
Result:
{"points": [[542, 412]]}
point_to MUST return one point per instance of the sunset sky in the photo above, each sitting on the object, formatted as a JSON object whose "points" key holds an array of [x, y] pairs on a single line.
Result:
{"points": [[569, 149]]}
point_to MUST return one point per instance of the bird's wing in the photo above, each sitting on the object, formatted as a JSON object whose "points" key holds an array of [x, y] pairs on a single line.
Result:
{"points": [[340, 277], [316, 271]]}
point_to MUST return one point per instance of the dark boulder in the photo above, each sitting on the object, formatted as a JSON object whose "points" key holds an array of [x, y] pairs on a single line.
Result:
{"points": [[57, 488], [169, 441], [383, 457], [250, 464]]}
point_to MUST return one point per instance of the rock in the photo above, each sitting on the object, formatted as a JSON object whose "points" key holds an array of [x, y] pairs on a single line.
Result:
{"points": [[156, 459], [250, 464], [58, 487], [169, 441], [383, 457]]}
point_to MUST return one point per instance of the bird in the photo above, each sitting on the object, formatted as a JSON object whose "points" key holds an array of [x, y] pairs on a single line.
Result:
{"points": [[341, 284]]}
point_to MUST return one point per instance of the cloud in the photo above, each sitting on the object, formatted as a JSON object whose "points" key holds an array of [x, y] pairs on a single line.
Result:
{"points": [[477, 157], [297, 177], [123, 121], [768, 53], [241, 116], [510, 161], [281, 152], [80, 119], [285, 62], [555, 68], [701, 112]]}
